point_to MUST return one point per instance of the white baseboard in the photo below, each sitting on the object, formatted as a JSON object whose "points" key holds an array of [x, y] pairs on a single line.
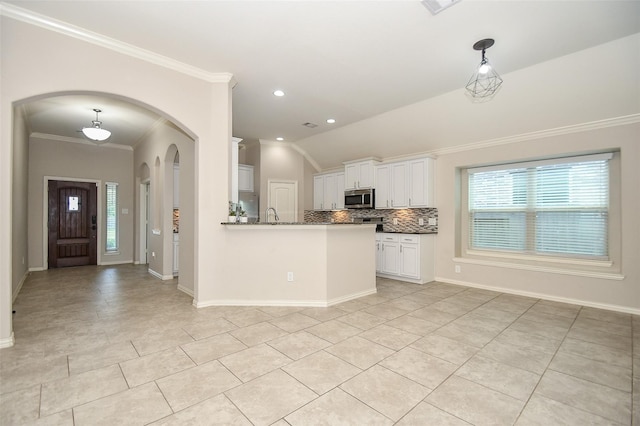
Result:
{"points": [[606, 306], [159, 275], [36, 269], [185, 290], [15, 293], [300, 303], [351, 297], [8, 341]]}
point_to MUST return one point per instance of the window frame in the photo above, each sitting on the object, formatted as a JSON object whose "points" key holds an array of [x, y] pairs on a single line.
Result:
{"points": [[116, 249], [465, 251]]}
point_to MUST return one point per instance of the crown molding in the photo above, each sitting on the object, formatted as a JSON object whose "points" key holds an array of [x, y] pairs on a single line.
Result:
{"points": [[42, 21], [58, 138], [558, 131], [296, 148]]}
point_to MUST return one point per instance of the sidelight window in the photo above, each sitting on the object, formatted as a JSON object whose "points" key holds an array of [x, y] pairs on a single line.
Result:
{"points": [[112, 216], [556, 207]]}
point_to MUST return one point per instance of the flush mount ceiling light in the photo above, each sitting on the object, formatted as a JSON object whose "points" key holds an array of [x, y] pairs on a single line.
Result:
{"points": [[331, 120], [437, 6], [278, 93], [95, 132], [485, 81]]}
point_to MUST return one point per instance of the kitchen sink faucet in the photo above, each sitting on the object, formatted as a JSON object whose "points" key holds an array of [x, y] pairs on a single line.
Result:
{"points": [[275, 214]]}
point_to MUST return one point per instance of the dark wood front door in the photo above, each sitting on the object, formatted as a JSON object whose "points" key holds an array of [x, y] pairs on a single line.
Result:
{"points": [[72, 223]]}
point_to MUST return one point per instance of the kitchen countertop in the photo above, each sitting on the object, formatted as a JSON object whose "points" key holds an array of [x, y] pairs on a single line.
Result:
{"points": [[322, 223]]}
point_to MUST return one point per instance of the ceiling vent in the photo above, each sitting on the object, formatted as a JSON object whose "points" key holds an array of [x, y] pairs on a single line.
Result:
{"points": [[309, 125], [437, 6]]}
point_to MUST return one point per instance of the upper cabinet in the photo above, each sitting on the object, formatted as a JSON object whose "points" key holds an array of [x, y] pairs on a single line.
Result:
{"points": [[245, 178], [360, 174], [328, 191], [405, 184]]}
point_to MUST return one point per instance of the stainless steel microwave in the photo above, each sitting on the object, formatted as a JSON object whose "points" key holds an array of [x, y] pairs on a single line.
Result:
{"points": [[359, 199]]}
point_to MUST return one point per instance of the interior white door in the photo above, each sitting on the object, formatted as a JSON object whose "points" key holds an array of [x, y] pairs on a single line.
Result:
{"points": [[283, 196]]}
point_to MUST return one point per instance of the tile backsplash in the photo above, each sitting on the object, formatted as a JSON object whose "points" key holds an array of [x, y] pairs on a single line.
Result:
{"points": [[408, 219]]}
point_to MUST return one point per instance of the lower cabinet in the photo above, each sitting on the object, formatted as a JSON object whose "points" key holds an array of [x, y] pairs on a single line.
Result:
{"points": [[406, 257]]}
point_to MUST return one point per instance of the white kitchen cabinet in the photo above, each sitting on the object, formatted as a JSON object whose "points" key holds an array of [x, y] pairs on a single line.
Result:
{"points": [[328, 191], [406, 257], [245, 178], [409, 256], [405, 184], [378, 252], [399, 185], [390, 254], [360, 174], [383, 190], [421, 173]]}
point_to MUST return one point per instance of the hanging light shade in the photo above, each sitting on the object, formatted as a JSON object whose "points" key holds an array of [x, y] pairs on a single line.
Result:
{"points": [[95, 132], [485, 81]]}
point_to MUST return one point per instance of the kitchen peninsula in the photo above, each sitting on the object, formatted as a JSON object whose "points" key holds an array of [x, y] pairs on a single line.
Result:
{"points": [[299, 264]]}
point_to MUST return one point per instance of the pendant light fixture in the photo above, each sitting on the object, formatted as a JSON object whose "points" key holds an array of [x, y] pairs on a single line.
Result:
{"points": [[95, 132], [485, 81]]}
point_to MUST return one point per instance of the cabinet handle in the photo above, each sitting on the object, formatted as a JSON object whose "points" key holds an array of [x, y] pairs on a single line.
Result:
{"points": [[409, 201], [382, 246], [391, 203], [400, 249], [387, 203]]}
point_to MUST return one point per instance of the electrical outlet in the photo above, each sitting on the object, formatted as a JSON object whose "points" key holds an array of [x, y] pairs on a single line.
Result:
{"points": [[421, 221], [458, 269], [395, 221], [433, 221], [153, 254], [289, 276]]}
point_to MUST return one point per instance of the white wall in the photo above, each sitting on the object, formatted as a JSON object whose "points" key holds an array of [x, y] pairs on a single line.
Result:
{"points": [[158, 144], [588, 288], [19, 207], [279, 160], [80, 161], [46, 62]]}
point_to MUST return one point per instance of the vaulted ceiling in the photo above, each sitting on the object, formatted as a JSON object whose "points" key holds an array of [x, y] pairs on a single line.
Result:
{"points": [[346, 60]]}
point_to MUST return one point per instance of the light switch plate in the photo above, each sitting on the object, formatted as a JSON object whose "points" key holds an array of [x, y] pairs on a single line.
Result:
{"points": [[395, 221], [433, 221], [421, 221]]}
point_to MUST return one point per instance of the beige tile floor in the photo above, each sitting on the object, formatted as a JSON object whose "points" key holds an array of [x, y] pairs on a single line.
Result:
{"points": [[115, 346]]}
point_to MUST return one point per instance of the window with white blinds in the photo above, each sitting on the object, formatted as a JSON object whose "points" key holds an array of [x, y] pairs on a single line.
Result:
{"points": [[555, 207], [112, 217]]}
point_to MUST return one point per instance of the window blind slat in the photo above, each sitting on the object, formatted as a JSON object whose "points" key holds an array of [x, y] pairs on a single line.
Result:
{"points": [[552, 207]]}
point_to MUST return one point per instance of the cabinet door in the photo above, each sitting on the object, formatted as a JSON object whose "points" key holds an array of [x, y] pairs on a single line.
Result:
{"points": [[366, 178], [410, 260], [318, 192], [421, 183], [330, 191], [390, 254], [382, 187], [245, 178], [339, 203], [351, 176], [399, 190]]}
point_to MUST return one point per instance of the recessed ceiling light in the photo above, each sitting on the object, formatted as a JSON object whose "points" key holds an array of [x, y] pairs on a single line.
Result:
{"points": [[309, 125], [279, 139], [331, 120], [278, 93]]}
